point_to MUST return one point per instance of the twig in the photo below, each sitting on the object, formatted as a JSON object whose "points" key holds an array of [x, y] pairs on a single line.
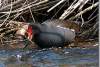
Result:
{"points": [[31, 13], [13, 18], [92, 13], [83, 3], [19, 10], [23, 18], [91, 19], [82, 21], [9, 5], [85, 10], [3, 15], [8, 15], [56, 5], [58, 10], [73, 6], [3, 34], [18, 14], [90, 30]]}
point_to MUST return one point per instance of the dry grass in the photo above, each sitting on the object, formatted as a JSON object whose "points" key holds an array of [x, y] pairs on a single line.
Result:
{"points": [[13, 11]]}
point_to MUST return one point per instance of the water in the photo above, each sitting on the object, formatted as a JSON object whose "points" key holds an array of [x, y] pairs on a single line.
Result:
{"points": [[67, 57]]}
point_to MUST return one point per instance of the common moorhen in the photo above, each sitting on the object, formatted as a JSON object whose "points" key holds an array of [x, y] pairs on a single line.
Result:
{"points": [[51, 33]]}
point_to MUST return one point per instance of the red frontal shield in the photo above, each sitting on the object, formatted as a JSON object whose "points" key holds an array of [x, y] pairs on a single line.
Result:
{"points": [[29, 32]]}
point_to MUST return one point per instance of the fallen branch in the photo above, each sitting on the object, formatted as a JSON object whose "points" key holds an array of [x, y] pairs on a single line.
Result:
{"points": [[85, 10], [73, 6], [56, 5]]}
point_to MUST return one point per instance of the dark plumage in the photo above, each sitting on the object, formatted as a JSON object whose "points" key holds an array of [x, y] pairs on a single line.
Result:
{"points": [[52, 33]]}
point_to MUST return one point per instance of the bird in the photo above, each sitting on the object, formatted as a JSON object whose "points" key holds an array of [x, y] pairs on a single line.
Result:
{"points": [[50, 33]]}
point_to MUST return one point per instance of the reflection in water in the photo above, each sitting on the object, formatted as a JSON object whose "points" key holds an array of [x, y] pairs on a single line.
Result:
{"points": [[67, 57]]}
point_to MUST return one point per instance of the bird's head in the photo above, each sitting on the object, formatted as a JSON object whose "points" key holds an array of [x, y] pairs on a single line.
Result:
{"points": [[28, 30], [25, 30]]}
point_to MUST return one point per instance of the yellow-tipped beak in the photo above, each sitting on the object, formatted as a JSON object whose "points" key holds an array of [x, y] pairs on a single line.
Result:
{"points": [[22, 30]]}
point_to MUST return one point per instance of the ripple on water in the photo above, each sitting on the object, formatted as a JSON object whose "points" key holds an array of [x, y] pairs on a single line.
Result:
{"points": [[50, 57]]}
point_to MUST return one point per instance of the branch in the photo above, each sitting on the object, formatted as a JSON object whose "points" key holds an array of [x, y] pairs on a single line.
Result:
{"points": [[56, 5], [85, 10], [73, 6]]}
